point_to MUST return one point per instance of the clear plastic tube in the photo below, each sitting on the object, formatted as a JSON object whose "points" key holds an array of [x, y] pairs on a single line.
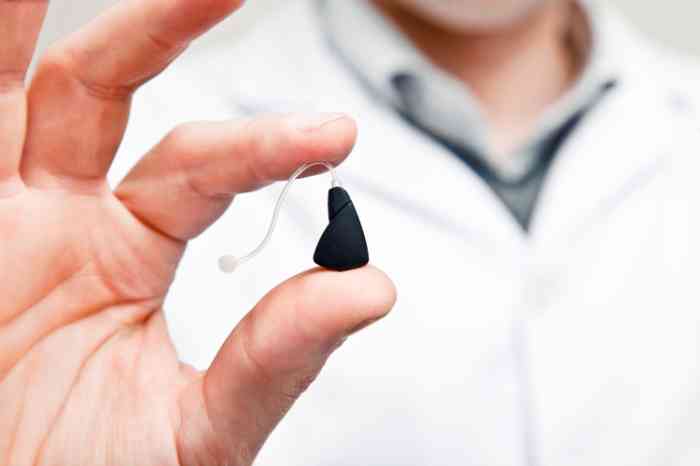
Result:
{"points": [[229, 263]]}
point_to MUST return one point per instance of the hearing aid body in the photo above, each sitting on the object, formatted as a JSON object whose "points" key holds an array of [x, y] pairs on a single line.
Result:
{"points": [[342, 245]]}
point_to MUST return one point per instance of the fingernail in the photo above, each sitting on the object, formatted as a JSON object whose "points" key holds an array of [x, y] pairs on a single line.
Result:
{"points": [[317, 121]]}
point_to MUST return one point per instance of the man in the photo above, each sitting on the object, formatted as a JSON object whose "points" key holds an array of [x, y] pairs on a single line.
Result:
{"points": [[524, 171]]}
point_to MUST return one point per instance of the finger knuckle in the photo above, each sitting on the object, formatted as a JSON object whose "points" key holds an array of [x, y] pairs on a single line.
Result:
{"points": [[58, 64], [181, 139], [182, 146], [299, 385], [54, 61], [252, 144], [11, 81], [310, 325], [251, 351], [161, 44]]}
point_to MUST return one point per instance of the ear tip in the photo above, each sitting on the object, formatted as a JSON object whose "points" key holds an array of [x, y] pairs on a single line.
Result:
{"points": [[228, 264]]}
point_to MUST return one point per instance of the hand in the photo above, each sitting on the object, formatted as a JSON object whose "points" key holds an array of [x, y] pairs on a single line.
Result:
{"points": [[88, 375]]}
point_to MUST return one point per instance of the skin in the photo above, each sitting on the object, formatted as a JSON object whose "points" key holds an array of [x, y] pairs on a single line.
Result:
{"points": [[469, 16], [494, 46], [88, 374]]}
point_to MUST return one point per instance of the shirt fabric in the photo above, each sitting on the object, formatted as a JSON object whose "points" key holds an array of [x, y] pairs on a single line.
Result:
{"points": [[445, 108]]}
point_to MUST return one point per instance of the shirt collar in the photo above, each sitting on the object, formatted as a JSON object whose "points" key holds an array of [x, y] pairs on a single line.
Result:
{"points": [[379, 53], [358, 31], [371, 44], [592, 40]]}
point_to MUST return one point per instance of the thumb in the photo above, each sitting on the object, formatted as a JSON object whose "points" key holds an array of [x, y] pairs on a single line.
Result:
{"points": [[272, 356]]}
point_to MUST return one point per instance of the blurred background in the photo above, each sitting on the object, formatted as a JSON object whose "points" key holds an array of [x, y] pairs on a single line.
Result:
{"points": [[671, 21]]}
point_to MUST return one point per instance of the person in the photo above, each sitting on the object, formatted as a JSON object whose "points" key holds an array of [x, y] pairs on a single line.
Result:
{"points": [[524, 171]]}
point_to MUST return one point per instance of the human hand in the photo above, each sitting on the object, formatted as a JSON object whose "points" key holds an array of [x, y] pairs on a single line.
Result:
{"points": [[88, 374]]}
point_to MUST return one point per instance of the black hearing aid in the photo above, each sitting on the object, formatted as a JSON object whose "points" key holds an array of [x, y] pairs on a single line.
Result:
{"points": [[342, 245]]}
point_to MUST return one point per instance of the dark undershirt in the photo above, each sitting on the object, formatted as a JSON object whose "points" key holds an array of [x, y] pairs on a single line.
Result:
{"points": [[519, 196]]}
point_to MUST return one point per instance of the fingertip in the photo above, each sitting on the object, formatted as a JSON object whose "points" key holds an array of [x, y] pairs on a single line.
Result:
{"points": [[374, 289], [345, 134], [324, 136], [336, 303], [369, 283]]}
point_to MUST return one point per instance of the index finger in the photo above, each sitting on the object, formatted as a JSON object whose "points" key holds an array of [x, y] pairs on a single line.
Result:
{"points": [[80, 97]]}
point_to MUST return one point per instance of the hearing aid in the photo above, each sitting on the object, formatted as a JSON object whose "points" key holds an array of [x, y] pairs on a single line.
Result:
{"points": [[341, 247]]}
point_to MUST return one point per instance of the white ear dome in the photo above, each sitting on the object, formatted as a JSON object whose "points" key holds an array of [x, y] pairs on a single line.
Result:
{"points": [[228, 264]]}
